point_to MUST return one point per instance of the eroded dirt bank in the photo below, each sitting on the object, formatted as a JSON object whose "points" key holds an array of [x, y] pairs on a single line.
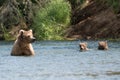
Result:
{"points": [[94, 20]]}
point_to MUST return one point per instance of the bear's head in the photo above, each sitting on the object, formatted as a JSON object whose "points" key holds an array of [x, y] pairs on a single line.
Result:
{"points": [[102, 45], [83, 46], [26, 36]]}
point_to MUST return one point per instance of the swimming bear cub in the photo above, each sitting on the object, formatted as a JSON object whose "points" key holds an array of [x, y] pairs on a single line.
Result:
{"points": [[102, 45], [83, 46]]}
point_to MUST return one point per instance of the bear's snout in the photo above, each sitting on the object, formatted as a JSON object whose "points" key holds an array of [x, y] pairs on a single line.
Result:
{"points": [[81, 47], [33, 39]]}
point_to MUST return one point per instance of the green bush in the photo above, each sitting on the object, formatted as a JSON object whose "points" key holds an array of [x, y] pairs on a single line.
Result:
{"points": [[6, 34], [2, 2], [115, 4], [76, 3], [51, 21]]}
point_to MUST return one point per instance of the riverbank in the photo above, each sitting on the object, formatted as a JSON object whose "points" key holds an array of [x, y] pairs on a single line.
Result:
{"points": [[89, 19], [96, 20]]}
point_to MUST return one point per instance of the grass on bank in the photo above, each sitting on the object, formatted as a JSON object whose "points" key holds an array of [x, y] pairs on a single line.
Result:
{"points": [[51, 20], [6, 34], [115, 4]]}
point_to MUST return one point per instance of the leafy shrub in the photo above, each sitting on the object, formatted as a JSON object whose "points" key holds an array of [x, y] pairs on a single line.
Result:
{"points": [[115, 4], [6, 34], [76, 3], [2, 2], [50, 21]]}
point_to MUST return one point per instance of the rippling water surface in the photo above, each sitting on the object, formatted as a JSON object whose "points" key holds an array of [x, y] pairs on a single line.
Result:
{"points": [[61, 60]]}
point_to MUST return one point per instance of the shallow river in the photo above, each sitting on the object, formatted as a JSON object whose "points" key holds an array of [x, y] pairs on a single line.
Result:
{"points": [[61, 60]]}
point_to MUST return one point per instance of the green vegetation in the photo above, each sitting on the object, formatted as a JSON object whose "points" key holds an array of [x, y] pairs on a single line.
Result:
{"points": [[1, 2], [48, 18], [115, 4], [51, 21], [6, 34], [76, 3]]}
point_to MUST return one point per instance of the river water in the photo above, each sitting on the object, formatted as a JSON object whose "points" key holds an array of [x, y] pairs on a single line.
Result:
{"points": [[61, 60]]}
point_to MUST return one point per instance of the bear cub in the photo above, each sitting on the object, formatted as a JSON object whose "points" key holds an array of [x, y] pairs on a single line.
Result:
{"points": [[102, 45], [83, 46], [22, 46]]}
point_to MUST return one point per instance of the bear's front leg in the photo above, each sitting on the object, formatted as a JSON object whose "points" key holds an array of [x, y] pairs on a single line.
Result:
{"points": [[30, 50]]}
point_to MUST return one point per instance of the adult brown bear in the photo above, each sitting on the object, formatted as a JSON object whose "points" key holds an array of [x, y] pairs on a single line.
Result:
{"points": [[22, 45]]}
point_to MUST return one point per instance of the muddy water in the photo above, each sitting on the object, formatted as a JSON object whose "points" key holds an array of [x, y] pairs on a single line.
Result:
{"points": [[61, 60]]}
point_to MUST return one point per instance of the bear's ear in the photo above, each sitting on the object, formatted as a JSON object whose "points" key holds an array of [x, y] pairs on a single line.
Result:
{"points": [[99, 43], [21, 32], [106, 41], [85, 43], [79, 43]]}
